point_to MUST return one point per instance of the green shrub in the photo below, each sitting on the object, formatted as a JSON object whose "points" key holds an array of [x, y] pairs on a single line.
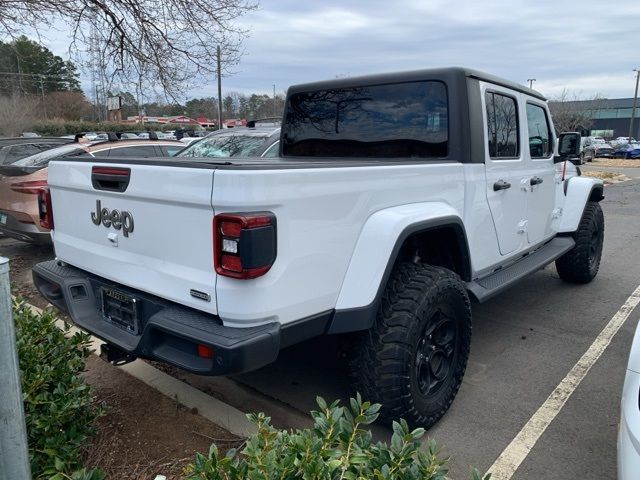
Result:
{"points": [[335, 448], [59, 409]]}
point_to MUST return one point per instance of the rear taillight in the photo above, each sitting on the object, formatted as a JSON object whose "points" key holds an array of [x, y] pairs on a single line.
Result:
{"points": [[33, 187], [44, 208], [244, 244]]}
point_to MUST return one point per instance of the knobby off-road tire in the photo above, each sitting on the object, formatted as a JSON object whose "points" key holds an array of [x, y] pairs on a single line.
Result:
{"points": [[582, 262], [413, 359]]}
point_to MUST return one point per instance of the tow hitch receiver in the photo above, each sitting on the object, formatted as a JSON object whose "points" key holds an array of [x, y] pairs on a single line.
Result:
{"points": [[114, 355]]}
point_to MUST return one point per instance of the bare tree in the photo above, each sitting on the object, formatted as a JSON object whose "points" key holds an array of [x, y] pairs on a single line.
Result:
{"points": [[67, 105], [168, 42], [573, 113], [18, 114]]}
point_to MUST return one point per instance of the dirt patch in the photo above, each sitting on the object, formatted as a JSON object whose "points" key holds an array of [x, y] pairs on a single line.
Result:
{"points": [[615, 162], [607, 177], [144, 433]]}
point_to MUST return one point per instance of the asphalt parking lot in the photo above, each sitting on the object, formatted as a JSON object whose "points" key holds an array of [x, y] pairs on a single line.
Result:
{"points": [[525, 342]]}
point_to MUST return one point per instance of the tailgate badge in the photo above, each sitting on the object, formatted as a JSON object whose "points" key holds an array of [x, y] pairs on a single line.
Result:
{"points": [[200, 295], [113, 218]]}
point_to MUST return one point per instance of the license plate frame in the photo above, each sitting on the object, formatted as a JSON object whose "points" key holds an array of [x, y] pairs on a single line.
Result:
{"points": [[120, 309]]}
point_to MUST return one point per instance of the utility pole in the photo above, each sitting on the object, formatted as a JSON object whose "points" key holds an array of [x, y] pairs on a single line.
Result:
{"points": [[97, 103], [219, 91], [274, 101], [44, 104], [14, 461], [531, 80], [635, 100]]}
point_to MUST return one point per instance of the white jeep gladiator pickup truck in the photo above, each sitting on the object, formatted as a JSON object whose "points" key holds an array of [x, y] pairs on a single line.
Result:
{"points": [[397, 200]]}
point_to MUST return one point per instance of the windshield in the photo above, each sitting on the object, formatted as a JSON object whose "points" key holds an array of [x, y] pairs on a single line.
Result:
{"points": [[228, 145], [44, 157]]}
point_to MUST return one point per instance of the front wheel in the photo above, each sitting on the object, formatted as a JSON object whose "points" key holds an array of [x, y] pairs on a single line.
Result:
{"points": [[582, 262], [414, 357]]}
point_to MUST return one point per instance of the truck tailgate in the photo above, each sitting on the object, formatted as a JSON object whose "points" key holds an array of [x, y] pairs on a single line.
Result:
{"points": [[166, 248]]}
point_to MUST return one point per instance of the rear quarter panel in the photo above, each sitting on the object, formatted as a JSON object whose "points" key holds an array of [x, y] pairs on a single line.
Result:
{"points": [[321, 214]]}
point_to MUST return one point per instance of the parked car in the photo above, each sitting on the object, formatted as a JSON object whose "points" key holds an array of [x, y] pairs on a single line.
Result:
{"points": [[21, 181], [595, 147], [629, 428], [628, 150], [129, 136], [13, 149], [620, 141], [236, 142], [160, 135]]}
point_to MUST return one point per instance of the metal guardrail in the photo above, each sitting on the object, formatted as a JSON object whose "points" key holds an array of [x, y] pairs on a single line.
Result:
{"points": [[14, 460]]}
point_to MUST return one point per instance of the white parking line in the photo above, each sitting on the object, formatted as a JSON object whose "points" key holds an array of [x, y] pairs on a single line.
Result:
{"points": [[515, 453]]}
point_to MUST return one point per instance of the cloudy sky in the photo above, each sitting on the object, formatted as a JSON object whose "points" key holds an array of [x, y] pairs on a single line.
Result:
{"points": [[588, 47]]}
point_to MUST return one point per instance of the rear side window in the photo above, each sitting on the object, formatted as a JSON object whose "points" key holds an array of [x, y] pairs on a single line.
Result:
{"points": [[388, 121], [539, 132], [132, 151], [502, 126]]}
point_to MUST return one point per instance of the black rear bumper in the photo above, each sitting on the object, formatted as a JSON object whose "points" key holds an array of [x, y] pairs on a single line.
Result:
{"points": [[168, 332]]}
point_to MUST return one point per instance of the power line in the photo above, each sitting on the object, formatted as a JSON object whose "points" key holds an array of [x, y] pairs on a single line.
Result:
{"points": [[37, 81], [17, 74]]}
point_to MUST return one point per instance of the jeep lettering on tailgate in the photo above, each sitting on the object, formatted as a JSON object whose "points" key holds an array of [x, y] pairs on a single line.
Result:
{"points": [[114, 218]]}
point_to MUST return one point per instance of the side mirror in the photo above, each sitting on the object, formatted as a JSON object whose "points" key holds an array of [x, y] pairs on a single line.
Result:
{"points": [[568, 146]]}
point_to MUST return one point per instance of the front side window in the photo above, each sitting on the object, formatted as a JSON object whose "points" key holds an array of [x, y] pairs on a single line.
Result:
{"points": [[539, 132], [387, 121], [502, 126]]}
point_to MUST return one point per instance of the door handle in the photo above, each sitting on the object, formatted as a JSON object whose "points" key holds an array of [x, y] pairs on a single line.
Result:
{"points": [[535, 181], [501, 185]]}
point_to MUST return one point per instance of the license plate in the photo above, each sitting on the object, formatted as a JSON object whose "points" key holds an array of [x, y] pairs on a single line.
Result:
{"points": [[3, 219], [120, 309]]}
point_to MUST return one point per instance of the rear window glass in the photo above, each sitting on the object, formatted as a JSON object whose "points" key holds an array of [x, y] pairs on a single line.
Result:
{"points": [[43, 158], [226, 145], [13, 153], [388, 121]]}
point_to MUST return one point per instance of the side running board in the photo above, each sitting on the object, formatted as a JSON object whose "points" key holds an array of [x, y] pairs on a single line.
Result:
{"points": [[486, 287]]}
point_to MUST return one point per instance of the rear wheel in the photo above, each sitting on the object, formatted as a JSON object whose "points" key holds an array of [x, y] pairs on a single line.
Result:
{"points": [[582, 262], [413, 359]]}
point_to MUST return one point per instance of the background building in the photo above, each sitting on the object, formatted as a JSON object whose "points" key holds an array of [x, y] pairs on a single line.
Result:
{"points": [[608, 118]]}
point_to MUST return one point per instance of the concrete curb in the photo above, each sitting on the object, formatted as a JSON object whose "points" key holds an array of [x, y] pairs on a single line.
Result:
{"points": [[214, 410]]}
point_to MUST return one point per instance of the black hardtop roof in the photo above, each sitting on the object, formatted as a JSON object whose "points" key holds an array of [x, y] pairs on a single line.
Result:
{"points": [[443, 74]]}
